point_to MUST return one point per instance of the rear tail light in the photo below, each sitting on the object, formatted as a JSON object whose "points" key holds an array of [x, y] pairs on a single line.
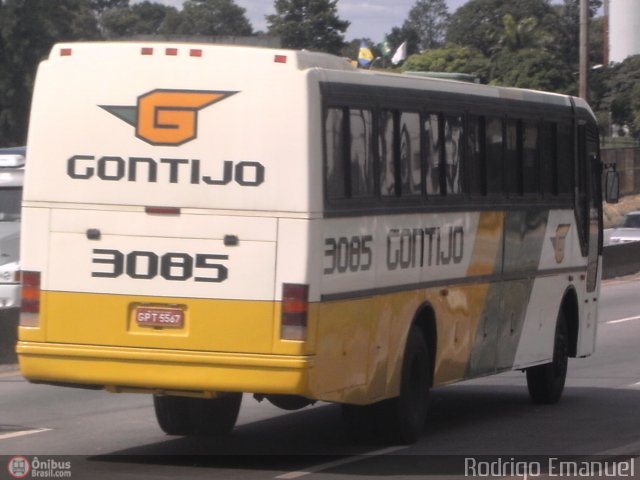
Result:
{"points": [[295, 306], [30, 309]]}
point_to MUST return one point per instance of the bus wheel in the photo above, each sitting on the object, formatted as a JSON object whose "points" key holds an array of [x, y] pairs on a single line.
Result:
{"points": [[546, 382], [400, 419], [408, 412], [197, 416]]}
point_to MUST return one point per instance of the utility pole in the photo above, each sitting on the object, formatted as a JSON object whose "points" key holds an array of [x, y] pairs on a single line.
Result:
{"points": [[584, 53]]}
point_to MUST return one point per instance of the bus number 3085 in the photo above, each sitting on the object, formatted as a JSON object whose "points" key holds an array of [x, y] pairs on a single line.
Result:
{"points": [[142, 265], [353, 254]]}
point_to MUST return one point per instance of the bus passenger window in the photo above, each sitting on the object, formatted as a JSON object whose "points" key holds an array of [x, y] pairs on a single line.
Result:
{"points": [[495, 163], [565, 159], [361, 133], [410, 158], [453, 148], [474, 165], [550, 159], [530, 169], [432, 135], [386, 149], [512, 160], [335, 183]]}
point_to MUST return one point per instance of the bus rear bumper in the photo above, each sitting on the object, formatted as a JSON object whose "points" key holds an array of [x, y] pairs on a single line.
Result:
{"points": [[163, 371]]}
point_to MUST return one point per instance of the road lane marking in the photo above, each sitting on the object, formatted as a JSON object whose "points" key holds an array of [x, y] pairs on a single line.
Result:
{"points": [[9, 373], [337, 463], [622, 320], [22, 433]]}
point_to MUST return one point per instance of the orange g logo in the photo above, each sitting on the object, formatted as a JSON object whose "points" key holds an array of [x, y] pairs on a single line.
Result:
{"points": [[167, 117]]}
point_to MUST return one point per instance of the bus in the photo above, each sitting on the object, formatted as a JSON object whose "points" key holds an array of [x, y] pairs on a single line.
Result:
{"points": [[206, 221]]}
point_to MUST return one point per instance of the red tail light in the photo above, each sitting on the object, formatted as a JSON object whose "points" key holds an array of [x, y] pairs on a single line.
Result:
{"points": [[295, 306], [30, 308]]}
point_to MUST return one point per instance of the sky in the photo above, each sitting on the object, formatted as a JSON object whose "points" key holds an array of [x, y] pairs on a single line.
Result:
{"points": [[369, 18]]}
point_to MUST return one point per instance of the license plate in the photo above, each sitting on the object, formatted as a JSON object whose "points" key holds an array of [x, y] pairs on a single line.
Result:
{"points": [[166, 317]]}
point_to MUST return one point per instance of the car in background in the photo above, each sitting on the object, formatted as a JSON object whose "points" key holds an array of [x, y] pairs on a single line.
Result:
{"points": [[12, 162], [629, 231]]}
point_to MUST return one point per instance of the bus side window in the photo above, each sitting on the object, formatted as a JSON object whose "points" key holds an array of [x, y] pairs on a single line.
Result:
{"points": [[410, 154], [512, 158], [565, 159], [433, 151], [387, 122], [361, 158], [335, 174], [549, 158], [530, 162], [475, 161], [453, 147], [495, 159]]}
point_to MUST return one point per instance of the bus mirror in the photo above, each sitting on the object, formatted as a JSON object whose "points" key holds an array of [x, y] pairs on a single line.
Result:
{"points": [[612, 185]]}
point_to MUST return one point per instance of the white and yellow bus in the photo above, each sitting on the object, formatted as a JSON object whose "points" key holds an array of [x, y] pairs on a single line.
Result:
{"points": [[205, 221]]}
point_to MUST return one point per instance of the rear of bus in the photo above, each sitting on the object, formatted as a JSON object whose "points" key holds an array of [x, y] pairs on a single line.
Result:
{"points": [[162, 180]]}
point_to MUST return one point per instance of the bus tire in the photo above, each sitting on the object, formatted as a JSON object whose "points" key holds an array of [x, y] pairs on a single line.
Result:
{"points": [[546, 382], [408, 412], [197, 416], [399, 420]]}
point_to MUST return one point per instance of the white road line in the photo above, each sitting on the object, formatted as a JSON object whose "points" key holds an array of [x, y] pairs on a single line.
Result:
{"points": [[622, 320], [9, 374], [336, 463], [22, 433]]}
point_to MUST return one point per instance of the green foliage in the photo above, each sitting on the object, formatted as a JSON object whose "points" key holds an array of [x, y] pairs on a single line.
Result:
{"points": [[453, 59], [635, 105], [617, 94], [429, 20], [28, 29], [533, 68], [481, 23], [308, 24], [213, 17], [144, 18], [400, 35]]}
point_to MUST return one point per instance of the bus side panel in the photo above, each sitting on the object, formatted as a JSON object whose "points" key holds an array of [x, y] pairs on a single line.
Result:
{"points": [[560, 250]]}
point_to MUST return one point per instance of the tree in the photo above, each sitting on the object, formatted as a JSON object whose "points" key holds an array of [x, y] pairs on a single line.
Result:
{"points": [[100, 6], [521, 34], [400, 35], [145, 18], [534, 68], [451, 58], [213, 17], [310, 24], [429, 20], [481, 24], [28, 30], [620, 95], [568, 35]]}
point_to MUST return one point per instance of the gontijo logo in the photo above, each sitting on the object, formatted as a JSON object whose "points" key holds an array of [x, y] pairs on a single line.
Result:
{"points": [[167, 117]]}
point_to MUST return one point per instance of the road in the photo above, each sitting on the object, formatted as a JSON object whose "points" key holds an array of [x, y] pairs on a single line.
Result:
{"points": [[116, 436]]}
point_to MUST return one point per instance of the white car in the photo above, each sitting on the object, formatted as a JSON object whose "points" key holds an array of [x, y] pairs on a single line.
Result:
{"points": [[629, 231], [11, 179]]}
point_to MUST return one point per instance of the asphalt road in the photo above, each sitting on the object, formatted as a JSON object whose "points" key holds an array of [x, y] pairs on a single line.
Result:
{"points": [[116, 436]]}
